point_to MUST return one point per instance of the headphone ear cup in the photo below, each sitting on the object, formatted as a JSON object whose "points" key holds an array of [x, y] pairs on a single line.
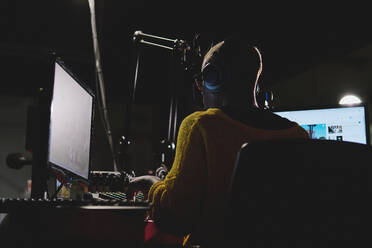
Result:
{"points": [[213, 77], [257, 90], [258, 96], [265, 98], [211, 73], [269, 99]]}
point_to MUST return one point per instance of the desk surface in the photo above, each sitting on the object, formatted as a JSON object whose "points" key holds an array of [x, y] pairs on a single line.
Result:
{"points": [[87, 225], [8, 205]]}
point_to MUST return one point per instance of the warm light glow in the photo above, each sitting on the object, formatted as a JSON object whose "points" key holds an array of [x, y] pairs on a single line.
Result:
{"points": [[350, 99]]}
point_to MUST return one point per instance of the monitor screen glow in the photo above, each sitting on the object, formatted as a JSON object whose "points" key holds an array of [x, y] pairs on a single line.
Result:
{"points": [[338, 123], [70, 124]]}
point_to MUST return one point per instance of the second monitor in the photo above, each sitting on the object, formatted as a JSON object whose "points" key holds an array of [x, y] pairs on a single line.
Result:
{"points": [[71, 118], [344, 123]]}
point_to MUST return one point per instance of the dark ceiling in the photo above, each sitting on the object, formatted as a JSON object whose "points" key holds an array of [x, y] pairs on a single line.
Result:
{"points": [[291, 39]]}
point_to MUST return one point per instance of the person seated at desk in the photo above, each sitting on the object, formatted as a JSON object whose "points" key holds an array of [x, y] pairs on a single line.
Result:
{"points": [[190, 200]]}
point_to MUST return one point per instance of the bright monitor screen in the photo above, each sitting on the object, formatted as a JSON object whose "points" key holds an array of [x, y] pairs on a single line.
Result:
{"points": [[70, 123], [344, 123]]}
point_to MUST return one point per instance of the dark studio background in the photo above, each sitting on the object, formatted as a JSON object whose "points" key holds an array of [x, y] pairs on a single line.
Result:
{"points": [[311, 54]]}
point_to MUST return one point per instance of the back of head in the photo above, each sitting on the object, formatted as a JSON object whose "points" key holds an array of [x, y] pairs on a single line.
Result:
{"points": [[236, 65]]}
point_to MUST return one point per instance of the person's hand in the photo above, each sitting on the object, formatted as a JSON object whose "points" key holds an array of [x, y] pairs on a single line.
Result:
{"points": [[143, 182]]}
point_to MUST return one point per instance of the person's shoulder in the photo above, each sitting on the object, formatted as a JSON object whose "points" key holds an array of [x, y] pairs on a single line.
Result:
{"points": [[198, 117], [189, 121], [258, 118], [193, 116], [277, 121]]}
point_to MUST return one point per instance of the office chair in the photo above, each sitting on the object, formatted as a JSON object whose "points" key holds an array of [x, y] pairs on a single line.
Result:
{"points": [[301, 193]]}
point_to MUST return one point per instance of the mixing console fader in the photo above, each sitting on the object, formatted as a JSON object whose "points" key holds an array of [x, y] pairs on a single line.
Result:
{"points": [[112, 185], [109, 181]]}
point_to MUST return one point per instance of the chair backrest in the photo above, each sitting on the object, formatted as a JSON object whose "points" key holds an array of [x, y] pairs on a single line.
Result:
{"points": [[301, 193]]}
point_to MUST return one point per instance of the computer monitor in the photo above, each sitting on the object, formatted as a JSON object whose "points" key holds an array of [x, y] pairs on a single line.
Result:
{"points": [[71, 121], [346, 123]]}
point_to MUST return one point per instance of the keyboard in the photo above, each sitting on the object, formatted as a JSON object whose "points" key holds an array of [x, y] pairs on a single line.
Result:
{"points": [[16, 204]]}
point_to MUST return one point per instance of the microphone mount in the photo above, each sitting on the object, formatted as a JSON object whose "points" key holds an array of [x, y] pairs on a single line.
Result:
{"points": [[181, 50], [175, 45]]}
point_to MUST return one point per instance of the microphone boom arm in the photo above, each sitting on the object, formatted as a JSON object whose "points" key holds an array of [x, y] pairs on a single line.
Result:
{"points": [[166, 43], [178, 47]]}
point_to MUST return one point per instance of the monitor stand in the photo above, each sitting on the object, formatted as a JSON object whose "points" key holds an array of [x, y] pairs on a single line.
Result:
{"points": [[37, 132], [36, 142]]}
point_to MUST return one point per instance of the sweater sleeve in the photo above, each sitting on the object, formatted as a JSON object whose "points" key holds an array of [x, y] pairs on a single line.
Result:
{"points": [[178, 198]]}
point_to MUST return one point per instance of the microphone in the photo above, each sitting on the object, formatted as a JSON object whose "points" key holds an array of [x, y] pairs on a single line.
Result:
{"points": [[17, 160]]}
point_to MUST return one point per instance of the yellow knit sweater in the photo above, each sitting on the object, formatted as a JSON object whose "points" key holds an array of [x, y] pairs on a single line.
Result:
{"points": [[189, 201]]}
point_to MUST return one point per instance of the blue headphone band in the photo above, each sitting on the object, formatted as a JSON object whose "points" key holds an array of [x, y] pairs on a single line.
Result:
{"points": [[213, 86]]}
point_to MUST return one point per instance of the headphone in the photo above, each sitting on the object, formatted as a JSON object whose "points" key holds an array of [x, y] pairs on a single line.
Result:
{"points": [[213, 77], [215, 74]]}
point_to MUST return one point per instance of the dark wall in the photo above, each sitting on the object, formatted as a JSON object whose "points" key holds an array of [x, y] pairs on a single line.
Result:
{"points": [[13, 111]]}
